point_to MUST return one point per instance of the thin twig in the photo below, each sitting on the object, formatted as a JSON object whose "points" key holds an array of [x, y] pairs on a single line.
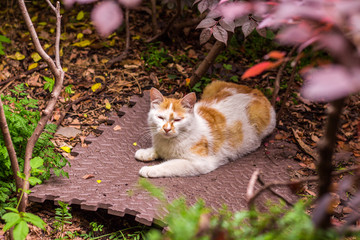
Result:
{"points": [[124, 54], [289, 87], [166, 29], [10, 147], [279, 76], [275, 193], [295, 182]]}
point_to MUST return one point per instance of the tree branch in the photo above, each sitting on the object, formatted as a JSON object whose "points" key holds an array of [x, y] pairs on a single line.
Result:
{"points": [[9, 146], [57, 71], [326, 149], [166, 29], [206, 63], [252, 198]]}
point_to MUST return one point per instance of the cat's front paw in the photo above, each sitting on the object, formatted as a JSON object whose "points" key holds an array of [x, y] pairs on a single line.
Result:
{"points": [[146, 155], [150, 172]]}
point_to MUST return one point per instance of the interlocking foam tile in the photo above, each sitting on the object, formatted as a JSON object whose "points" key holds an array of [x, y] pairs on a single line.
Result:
{"points": [[110, 158]]}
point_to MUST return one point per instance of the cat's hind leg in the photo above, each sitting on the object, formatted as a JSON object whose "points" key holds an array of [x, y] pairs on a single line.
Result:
{"points": [[146, 154], [176, 168]]}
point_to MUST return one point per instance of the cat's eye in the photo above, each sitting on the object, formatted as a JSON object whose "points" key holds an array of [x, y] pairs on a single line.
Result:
{"points": [[160, 117], [177, 119]]}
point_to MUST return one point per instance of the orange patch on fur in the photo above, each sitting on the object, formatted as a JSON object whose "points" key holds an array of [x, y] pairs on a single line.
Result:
{"points": [[259, 111], [234, 134], [201, 148], [218, 90], [217, 123], [175, 105]]}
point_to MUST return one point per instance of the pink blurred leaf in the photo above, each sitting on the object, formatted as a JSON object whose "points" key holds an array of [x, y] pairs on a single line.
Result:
{"points": [[303, 33], [227, 24], [69, 3], [220, 34], [205, 35], [330, 83], [206, 23], [203, 5], [130, 3], [107, 17], [234, 10], [248, 27]]}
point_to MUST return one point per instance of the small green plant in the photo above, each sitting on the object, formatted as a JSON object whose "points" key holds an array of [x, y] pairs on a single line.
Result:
{"points": [[20, 220], [199, 222], [155, 56], [199, 86], [49, 83], [62, 217], [68, 91], [3, 39], [22, 116]]}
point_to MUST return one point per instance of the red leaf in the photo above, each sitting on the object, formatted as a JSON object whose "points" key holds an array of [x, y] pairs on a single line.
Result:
{"points": [[275, 55], [257, 69]]}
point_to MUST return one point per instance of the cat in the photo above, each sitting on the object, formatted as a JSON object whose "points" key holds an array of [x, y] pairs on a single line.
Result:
{"points": [[229, 121]]}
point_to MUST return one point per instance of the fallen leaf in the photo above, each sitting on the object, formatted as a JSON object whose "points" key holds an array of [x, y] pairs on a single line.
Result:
{"points": [[35, 56], [83, 43], [87, 176], [67, 131], [95, 87], [98, 181], [33, 65], [17, 56], [307, 149], [107, 104], [66, 149], [117, 128], [275, 55]]}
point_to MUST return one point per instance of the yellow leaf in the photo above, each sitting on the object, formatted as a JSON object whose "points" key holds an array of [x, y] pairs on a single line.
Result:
{"points": [[61, 52], [135, 143], [187, 82], [52, 30], [95, 87], [66, 149], [85, 115], [34, 18], [79, 36], [104, 61], [80, 15], [136, 37], [32, 66], [65, 69], [107, 104], [17, 56], [84, 43], [98, 181], [35, 56], [46, 46]]}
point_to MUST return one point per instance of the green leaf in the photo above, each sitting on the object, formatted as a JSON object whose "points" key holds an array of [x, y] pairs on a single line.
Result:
{"points": [[4, 39], [21, 175], [34, 220], [12, 209], [21, 230], [34, 180], [36, 162], [11, 219]]}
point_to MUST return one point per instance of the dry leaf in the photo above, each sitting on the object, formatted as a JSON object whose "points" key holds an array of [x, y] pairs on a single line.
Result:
{"points": [[117, 128], [87, 176]]}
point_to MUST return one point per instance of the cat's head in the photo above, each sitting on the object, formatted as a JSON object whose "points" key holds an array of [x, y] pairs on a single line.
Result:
{"points": [[168, 116]]}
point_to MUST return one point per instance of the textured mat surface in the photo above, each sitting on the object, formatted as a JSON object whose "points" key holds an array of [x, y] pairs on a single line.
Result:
{"points": [[110, 158]]}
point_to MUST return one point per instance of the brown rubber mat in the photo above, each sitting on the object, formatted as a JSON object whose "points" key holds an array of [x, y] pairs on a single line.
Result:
{"points": [[110, 159]]}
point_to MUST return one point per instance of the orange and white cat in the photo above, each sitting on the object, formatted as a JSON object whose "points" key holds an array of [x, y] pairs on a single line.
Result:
{"points": [[229, 121]]}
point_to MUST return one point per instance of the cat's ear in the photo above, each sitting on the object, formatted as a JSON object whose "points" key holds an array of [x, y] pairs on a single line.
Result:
{"points": [[155, 97], [189, 100]]}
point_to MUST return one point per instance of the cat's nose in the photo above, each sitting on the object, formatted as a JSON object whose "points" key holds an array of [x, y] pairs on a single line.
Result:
{"points": [[167, 130]]}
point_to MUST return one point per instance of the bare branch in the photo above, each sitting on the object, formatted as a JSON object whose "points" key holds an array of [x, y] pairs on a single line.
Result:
{"points": [[59, 78], [9, 146], [279, 76], [296, 182]]}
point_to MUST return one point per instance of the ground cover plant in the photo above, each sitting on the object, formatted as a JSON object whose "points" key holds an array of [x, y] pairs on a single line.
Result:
{"points": [[177, 62]]}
